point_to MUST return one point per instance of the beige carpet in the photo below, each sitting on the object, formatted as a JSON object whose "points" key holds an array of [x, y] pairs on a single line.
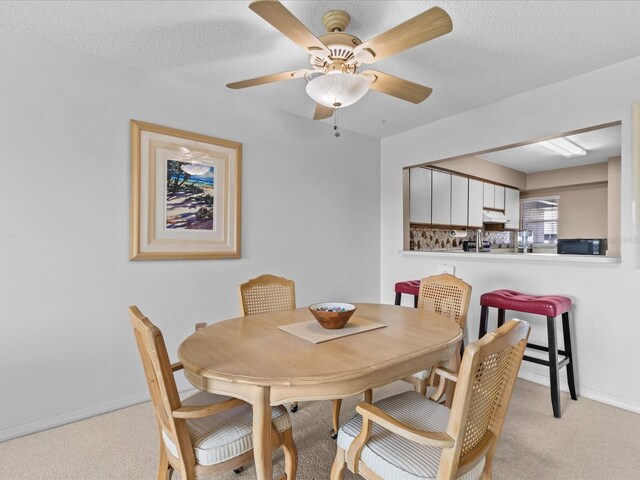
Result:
{"points": [[592, 441]]}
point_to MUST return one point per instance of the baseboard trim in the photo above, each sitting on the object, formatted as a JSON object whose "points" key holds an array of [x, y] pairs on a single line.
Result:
{"points": [[74, 416], [590, 393]]}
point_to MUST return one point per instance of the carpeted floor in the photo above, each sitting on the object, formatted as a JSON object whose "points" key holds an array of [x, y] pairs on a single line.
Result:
{"points": [[592, 441]]}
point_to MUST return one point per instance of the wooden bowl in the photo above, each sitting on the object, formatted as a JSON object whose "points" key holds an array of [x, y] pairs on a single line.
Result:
{"points": [[332, 315]]}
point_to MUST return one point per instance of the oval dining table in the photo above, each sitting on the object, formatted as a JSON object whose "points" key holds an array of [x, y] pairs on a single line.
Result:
{"points": [[250, 358]]}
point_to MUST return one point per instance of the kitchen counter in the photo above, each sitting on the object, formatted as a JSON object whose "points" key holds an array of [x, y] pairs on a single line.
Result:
{"points": [[506, 255]]}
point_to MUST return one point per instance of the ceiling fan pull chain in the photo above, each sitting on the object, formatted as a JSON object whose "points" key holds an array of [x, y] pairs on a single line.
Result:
{"points": [[335, 122]]}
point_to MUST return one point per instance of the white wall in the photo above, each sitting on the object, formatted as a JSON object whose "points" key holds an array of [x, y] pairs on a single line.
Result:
{"points": [[310, 212], [606, 296]]}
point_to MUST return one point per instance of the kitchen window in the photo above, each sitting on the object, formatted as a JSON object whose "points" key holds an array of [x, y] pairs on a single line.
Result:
{"points": [[540, 216]]}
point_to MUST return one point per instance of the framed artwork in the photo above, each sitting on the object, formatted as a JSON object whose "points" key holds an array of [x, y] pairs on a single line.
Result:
{"points": [[185, 194]]}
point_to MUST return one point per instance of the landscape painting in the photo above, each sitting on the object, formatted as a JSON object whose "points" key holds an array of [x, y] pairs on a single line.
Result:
{"points": [[190, 196], [185, 194]]}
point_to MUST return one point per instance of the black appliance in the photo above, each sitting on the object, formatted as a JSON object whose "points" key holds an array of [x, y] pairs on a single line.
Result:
{"points": [[582, 246], [470, 246]]}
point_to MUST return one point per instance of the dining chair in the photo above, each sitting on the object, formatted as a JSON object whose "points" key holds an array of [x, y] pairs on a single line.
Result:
{"points": [[446, 295], [409, 436], [269, 293], [204, 434]]}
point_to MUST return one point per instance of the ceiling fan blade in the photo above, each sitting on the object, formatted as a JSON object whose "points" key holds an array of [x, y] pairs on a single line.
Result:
{"points": [[419, 29], [274, 77], [322, 112], [398, 87], [283, 20]]}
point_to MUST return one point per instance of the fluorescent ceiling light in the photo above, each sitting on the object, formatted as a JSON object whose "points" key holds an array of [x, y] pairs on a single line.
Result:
{"points": [[564, 147]]}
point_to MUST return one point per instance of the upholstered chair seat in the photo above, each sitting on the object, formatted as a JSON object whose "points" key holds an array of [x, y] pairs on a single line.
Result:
{"points": [[224, 436], [389, 455]]}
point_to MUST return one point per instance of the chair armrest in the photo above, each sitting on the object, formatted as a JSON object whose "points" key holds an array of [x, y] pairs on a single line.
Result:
{"points": [[176, 366], [423, 437], [200, 411], [445, 375]]}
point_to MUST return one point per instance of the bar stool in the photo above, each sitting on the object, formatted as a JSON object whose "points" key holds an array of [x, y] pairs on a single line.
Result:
{"points": [[550, 306], [410, 287]]}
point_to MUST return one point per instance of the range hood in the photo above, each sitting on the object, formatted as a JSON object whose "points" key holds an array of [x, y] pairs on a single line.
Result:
{"points": [[489, 216]]}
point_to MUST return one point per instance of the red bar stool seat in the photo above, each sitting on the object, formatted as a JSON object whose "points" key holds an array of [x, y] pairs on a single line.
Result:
{"points": [[550, 306], [410, 287]]}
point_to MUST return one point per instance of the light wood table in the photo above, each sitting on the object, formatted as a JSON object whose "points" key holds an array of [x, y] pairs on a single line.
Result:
{"points": [[250, 358]]}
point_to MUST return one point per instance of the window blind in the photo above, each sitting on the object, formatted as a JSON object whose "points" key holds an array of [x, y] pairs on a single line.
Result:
{"points": [[540, 216]]}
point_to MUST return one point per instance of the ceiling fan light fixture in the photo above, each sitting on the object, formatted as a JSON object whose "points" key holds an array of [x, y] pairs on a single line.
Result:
{"points": [[563, 147], [338, 89]]}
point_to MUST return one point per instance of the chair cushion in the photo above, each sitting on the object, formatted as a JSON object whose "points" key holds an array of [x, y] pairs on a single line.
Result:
{"points": [[547, 305], [411, 287], [393, 457], [225, 435]]}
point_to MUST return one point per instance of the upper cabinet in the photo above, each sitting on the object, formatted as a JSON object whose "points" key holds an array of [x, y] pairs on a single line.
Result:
{"points": [[459, 200], [498, 197], [441, 198], [476, 197], [444, 199], [512, 209], [489, 195], [420, 195], [493, 196]]}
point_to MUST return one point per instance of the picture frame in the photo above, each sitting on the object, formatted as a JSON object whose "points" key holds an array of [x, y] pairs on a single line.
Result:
{"points": [[185, 194]]}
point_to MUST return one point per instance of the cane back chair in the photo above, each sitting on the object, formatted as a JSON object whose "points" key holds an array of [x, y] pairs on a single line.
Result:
{"points": [[446, 295], [268, 293], [409, 436], [204, 434]]}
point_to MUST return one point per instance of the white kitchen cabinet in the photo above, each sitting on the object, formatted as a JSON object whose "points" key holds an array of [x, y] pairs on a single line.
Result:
{"points": [[512, 209], [498, 197], [489, 195], [476, 196], [459, 200], [441, 198], [419, 195]]}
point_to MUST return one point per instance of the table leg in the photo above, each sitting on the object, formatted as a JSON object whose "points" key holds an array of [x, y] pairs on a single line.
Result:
{"points": [[453, 364], [262, 434]]}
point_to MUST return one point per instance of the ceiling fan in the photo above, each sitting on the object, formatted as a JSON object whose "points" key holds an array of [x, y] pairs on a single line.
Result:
{"points": [[333, 79]]}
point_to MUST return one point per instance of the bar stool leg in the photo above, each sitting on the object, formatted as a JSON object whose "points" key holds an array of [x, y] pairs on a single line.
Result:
{"points": [[500, 317], [398, 297], [415, 301], [484, 311], [553, 366], [568, 348]]}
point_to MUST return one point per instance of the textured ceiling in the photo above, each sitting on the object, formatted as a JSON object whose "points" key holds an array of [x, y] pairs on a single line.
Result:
{"points": [[496, 50]]}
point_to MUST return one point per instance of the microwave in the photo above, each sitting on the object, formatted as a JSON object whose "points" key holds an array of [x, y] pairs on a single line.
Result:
{"points": [[582, 246]]}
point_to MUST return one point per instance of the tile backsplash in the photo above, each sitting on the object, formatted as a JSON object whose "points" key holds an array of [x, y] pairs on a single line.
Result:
{"points": [[436, 239]]}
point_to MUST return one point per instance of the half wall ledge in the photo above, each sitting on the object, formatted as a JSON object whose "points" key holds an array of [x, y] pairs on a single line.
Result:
{"points": [[516, 257]]}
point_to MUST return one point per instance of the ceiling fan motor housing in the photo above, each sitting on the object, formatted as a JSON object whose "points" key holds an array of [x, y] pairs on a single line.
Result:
{"points": [[341, 46]]}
